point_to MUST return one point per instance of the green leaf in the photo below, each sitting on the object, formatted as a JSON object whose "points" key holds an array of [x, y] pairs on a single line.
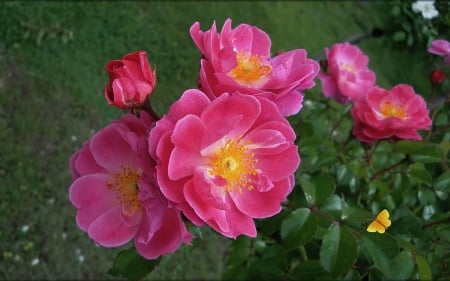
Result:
{"points": [[338, 251], [240, 250], [418, 173], [333, 206], [298, 228], [443, 182], [424, 268], [324, 186], [402, 267], [318, 189], [399, 35], [420, 151], [235, 272], [381, 249], [129, 264], [309, 270]]}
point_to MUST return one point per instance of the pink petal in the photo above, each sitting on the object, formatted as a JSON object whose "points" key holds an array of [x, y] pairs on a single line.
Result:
{"points": [[109, 230], [287, 163], [171, 233], [185, 157], [290, 104], [91, 196], [254, 203], [110, 139], [223, 117]]}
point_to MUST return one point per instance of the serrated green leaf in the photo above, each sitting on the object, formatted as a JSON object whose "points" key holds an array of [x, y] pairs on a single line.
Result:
{"points": [[338, 251], [130, 265], [443, 182], [298, 228], [424, 268]]}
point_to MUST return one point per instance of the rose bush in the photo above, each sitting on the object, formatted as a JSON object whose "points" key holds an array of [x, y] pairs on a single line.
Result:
{"points": [[225, 156]]}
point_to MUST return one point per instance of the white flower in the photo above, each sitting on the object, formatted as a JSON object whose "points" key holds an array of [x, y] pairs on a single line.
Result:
{"points": [[25, 228], [426, 8], [35, 262]]}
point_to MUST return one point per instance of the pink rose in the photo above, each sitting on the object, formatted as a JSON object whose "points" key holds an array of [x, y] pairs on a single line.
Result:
{"points": [[239, 60], [226, 161], [131, 80], [348, 77], [390, 114], [115, 192], [441, 47]]}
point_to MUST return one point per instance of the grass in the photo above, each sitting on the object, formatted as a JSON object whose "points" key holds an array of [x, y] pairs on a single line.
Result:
{"points": [[52, 57]]}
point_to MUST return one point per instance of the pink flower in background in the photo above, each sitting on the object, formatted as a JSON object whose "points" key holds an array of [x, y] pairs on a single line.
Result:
{"points": [[226, 161], [131, 80], [440, 47], [116, 195], [239, 60], [390, 114], [348, 77]]}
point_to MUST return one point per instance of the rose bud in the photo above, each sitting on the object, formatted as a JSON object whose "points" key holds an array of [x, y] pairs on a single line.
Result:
{"points": [[131, 80], [437, 76]]}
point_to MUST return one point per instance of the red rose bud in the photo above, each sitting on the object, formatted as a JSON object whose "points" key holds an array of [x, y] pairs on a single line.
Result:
{"points": [[131, 80], [437, 76]]}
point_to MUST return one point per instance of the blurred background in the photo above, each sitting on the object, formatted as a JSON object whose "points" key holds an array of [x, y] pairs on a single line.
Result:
{"points": [[52, 58]]}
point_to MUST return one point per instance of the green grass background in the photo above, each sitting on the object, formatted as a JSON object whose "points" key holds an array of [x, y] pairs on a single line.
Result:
{"points": [[52, 58]]}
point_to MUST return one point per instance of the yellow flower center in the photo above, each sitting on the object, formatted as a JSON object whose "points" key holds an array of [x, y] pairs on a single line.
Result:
{"points": [[348, 67], [250, 70], [389, 109], [125, 184], [234, 163]]}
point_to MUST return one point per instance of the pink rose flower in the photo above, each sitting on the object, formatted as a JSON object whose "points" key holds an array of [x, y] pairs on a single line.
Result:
{"points": [[440, 47], [390, 114], [226, 161], [131, 80], [239, 60], [348, 77], [115, 192]]}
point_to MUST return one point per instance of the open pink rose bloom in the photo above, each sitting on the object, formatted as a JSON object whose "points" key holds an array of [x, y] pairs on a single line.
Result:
{"points": [[115, 192], [441, 47], [390, 114], [348, 77], [239, 60], [225, 162], [131, 80]]}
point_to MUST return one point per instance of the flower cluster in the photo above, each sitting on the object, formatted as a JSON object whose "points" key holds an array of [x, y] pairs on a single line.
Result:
{"points": [[222, 156], [377, 113]]}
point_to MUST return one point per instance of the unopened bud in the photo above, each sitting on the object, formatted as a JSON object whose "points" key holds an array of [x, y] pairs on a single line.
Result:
{"points": [[437, 76]]}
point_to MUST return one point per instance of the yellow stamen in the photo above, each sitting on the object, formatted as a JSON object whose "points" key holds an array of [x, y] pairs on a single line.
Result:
{"points": [[124, 184], [348, 67], [389, 109], [235, 164], [250, 69]]}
